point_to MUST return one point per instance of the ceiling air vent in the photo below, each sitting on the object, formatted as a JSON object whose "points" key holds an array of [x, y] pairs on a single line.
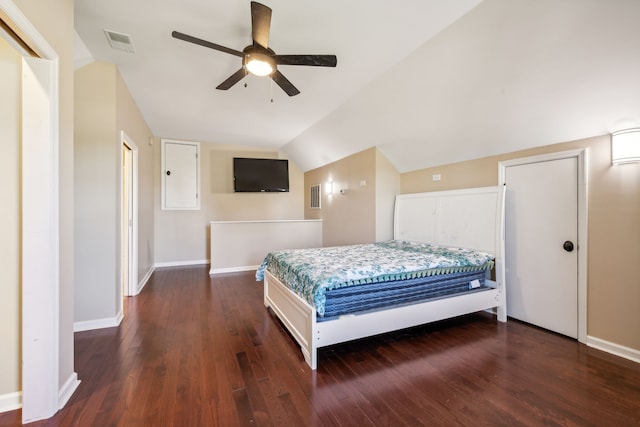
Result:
{"points": [[120, 41]]}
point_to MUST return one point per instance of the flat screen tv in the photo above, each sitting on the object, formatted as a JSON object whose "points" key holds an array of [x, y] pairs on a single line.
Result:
{"points": [[260, 175]]}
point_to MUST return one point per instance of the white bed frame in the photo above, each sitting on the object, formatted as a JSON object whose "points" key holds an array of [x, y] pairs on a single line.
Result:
{"points": [[471, 218]]}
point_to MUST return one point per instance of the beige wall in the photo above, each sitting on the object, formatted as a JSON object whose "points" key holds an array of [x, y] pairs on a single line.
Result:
{"points": [[613, 227], [54, 21], [96, 173], [183, 236], [362, 213], [129, 119], [104, 108], [10, 248]]}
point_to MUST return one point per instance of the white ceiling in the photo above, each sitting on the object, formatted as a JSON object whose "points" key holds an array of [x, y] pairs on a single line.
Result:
{"points": [[429, 82]]}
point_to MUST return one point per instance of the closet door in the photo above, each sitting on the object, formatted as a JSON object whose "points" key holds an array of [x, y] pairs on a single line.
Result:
{"points": [[180, 175], [542, 244]]}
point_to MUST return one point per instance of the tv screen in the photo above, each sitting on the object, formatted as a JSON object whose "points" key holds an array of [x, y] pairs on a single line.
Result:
{"points": [[260, 175]]}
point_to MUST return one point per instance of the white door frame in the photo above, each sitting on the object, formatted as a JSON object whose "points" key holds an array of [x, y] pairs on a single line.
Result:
{"points": [[40, 277], [132, 274], [581, 157]]}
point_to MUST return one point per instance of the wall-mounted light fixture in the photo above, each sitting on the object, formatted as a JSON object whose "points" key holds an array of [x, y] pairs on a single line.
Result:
{"points": [[329, 188], [625, 146]]}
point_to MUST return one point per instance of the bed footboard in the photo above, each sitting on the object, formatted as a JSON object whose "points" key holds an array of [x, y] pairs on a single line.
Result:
{"points": [[296, 314], [300, 318]]}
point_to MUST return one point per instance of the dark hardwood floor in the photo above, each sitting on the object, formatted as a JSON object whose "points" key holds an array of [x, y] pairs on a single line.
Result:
{"points": [[195, 350]]}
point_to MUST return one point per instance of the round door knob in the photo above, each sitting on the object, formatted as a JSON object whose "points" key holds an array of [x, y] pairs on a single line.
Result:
{"points": [[568, 246]]}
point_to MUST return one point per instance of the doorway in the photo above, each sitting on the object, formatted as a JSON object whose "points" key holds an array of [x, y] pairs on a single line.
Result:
{"points": [[129, 218], [545, 241], [44, 353]]}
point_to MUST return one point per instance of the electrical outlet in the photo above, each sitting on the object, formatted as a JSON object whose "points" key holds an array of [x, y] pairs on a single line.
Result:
{"points": [[436, 177]]}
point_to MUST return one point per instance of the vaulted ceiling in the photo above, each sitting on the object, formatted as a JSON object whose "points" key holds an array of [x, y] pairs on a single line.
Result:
{"points": [[428, 82]]}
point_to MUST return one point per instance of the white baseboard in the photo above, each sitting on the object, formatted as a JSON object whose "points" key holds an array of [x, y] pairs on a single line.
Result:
{"points": [[613, 348], [13, 401], [181, 263], [145, 279], [89, 325], [65, 393], [10, 401], [213, 271]]}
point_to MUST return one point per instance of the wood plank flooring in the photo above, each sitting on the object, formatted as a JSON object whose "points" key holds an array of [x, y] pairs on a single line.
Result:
{"points": [[195, 350]]}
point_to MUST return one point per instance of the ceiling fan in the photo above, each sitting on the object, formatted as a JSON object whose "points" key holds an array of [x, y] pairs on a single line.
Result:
{"points": [[258, 58]]}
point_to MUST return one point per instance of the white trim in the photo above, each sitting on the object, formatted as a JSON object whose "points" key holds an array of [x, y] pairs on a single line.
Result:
{"points": [[90, 325], [40, 240], [613, 348], [17, 17], [133, 259], [581, 155], [66, 391], [180, 263], [144, 280], [10, 401], [233, 269]]}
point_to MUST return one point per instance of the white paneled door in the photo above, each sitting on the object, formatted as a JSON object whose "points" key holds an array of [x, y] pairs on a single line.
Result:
{"points": [[180, 175], [541, 243]]}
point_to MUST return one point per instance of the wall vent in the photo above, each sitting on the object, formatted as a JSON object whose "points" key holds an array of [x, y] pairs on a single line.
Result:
{"points": [[120, 41], [315, 197]]}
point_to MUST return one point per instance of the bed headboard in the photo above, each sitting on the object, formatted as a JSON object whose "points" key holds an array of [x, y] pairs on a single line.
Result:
{"points": [[469, 218]]}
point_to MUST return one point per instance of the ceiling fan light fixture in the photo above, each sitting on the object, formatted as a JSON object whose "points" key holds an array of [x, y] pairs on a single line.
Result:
{"points": [[257, 58], [259, 64]]}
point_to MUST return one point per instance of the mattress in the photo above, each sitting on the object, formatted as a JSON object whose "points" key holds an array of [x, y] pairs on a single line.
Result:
{"points": [[312, 273], [354, 300]]}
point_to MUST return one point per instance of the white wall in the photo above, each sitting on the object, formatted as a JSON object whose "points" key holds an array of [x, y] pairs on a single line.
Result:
{"points": [[10, 331], [508, 75]]}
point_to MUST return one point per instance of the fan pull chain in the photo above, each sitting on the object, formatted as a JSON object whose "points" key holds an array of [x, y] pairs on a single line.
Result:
{"points": [[271, 86]]}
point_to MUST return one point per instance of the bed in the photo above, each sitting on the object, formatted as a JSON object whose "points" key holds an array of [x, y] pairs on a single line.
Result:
{"points": [[468, 223]]}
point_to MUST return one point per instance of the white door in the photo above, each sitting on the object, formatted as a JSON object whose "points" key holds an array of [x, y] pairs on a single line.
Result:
{"points": [[541, 242], [180, 185]]}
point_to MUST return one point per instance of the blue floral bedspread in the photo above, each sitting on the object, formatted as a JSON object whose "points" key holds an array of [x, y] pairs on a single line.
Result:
{"points": [[311, 272]]}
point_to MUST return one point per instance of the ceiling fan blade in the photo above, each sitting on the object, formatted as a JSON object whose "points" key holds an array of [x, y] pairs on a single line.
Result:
{"points": [[195, 40], [260, 24], [311, 60], [285, 84], [235, 78]]}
